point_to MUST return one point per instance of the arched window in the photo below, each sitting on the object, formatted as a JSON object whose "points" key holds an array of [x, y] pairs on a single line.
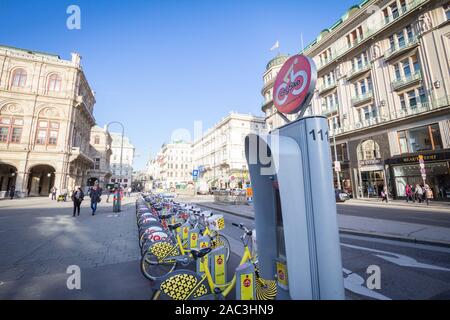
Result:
{"points": [[54, 83], [19, 78], [368, 150]]}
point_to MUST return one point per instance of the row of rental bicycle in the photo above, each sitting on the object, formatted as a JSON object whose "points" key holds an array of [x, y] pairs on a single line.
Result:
{"points": [[185, 254]]}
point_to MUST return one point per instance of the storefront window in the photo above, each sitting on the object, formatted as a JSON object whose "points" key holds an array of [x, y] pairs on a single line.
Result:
{"points": [[419, 139]]}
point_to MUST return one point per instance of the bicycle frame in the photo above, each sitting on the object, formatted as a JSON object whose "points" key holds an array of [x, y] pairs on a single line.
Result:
{"points": [[208, 277]]}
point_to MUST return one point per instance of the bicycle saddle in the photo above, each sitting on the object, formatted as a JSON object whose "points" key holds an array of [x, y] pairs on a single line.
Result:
{"points": [[198, 253], [167, 215], [173, 226]]}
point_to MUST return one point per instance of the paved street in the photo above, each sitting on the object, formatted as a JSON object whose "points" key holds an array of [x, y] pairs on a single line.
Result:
{"points": [[423, 215], [40, 239], [408, 271]]}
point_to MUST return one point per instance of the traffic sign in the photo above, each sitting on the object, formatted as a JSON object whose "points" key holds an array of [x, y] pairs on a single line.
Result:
{"points": [[295, 84], [337, 166], [195, 173]]}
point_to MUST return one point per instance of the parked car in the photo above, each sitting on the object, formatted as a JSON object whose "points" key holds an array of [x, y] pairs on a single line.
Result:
{"points": [[341, 196]]}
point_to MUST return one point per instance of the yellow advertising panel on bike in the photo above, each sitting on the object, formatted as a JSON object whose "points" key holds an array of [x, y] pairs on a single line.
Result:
{"points": [[282, 275]]}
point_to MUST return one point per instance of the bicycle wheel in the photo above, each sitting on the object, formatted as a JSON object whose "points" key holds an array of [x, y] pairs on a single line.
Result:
{"points": [[152, 238], [220, 240], [180, 284], [152, 265]]}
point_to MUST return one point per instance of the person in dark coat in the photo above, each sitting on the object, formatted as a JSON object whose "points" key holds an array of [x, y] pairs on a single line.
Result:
{"points": [[77, 198], [96, 193], [12, 191]]}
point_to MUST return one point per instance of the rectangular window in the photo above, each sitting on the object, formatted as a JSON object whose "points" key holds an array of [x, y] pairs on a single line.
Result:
{"points": [[419, 139], [363, 87], [6, 121], [4, 132], [394, 10], [16, 135], [409, 32], [406, 68], [53, 138], [43, 124], [403, 102], [412, 99], [398, 75], [422, 95], [41, 137], [447, 11], [403, 142], [400, 39], [18, 122], [54, 125], [416, 64], [403, 6], [436, 136], [392, 42]]}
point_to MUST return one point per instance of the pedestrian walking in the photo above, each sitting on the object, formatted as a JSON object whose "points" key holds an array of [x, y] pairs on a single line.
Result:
{"points": [[384, 195], [77, 198], [413, 193], [129, 191], [108, 194], [419, 193], [408, 193], [12, 191], [95, 195], [53, 191], [428, 194]]}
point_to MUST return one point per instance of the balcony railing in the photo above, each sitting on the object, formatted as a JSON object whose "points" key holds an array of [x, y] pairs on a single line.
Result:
{"points": [[359, 69], [370, 32], [327, 86], [387, 117], [399, 48], [362, 98], [406, 81], [330, 109]]}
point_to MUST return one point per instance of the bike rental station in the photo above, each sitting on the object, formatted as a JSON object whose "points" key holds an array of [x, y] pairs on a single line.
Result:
{"points": [[296, 255], [293, 198]]}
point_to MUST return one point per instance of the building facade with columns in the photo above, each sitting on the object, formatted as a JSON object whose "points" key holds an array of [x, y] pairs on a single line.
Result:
{"points": [[384, 86], [124, 177], [219, 154], [100, 152], [46, 116]]}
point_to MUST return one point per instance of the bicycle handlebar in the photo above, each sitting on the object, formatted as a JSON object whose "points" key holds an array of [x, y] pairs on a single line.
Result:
{"points": [[242, 227]]}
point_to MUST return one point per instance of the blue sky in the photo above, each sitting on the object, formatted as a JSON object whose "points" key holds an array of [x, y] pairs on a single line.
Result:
{"points": [[159, 65]]}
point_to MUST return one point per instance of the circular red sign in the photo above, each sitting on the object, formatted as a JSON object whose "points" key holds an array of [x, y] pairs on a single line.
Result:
{"points": [[247, 282], [219, 260], [281, 275], [295, 84]]}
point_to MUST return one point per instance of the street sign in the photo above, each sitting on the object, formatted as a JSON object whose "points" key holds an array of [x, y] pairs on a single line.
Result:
{"points": [[337, 166], [195, 173], [295, 84]]}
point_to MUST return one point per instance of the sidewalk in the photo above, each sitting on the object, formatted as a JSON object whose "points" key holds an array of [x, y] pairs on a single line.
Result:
{"points": [[363, 226], [441, 205]]}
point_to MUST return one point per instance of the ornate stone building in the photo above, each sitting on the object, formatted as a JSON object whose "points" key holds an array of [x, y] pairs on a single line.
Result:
{"points": [[46, 116], [100, 152], [219, 154], [384, 83]]}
